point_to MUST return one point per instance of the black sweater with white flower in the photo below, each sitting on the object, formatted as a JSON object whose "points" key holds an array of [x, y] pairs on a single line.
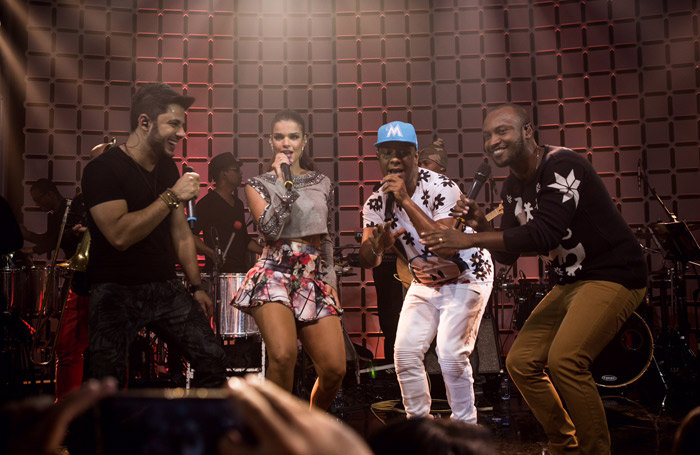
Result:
{"points": [[566, 215]]}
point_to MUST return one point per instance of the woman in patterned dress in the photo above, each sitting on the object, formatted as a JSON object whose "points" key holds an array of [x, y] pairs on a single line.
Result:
{"points": [[291, 292]]}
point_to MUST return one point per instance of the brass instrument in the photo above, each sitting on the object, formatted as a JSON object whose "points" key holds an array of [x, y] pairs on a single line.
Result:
{"points": [[42, 352]]}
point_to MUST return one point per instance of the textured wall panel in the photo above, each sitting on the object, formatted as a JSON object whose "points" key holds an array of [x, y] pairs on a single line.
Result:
{"points": [[614, 80]]}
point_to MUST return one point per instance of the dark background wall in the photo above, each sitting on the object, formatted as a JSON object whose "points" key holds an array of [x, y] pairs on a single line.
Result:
{"points": [[616, 81]]}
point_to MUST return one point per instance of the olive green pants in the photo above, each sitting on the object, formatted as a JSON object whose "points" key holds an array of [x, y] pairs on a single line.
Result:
{"points": [[564, 333]]}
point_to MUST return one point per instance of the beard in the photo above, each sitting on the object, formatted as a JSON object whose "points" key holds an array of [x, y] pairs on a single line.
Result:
{"points": [[157, 143]]}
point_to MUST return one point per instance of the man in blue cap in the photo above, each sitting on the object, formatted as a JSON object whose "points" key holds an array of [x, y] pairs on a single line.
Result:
{"points": [[450, 288]]}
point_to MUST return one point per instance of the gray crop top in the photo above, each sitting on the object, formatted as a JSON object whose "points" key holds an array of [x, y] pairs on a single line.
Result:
{"points": [[298, 213]]}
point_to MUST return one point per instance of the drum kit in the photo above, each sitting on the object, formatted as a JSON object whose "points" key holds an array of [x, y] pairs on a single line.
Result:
{"points": [[623, 361], [33, 299], [25, 287]]}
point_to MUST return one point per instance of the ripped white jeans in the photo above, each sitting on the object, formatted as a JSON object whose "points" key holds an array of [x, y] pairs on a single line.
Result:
{"points": [[453, 312]]}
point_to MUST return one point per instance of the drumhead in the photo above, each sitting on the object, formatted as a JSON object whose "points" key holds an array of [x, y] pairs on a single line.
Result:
{"points": [[627, 356]]}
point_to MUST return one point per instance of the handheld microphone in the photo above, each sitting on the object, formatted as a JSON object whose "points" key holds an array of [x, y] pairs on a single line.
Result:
{"points": [[287, 173], [639, 175], [191, 216], [389, 207], [482, 174]]}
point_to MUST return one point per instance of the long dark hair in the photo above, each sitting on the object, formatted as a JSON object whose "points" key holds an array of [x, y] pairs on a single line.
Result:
{"points": [[305, 161]]}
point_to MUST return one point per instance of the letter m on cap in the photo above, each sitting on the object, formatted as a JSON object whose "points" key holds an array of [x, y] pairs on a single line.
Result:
{"points": [[394, 130]]}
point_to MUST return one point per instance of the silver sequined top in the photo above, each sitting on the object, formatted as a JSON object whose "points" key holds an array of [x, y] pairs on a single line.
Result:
{"points": [[304, 211]]}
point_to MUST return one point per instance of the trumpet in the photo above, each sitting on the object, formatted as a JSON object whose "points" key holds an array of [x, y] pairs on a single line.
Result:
{"points": [[43, 351]]}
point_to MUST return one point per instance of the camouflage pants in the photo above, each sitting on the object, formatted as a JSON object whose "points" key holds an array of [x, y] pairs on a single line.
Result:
{"points": [[118, 312]]}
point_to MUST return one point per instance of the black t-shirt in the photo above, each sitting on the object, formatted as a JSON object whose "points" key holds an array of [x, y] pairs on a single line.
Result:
{"points": [[115, 176], [69, 242], [565, 213], [214, 212]]}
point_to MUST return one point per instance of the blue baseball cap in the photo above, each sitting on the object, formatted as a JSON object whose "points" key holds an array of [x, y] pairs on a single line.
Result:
{"points": [[397, 132]]}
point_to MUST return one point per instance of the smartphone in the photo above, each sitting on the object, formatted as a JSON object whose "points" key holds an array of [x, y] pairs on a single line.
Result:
{"points": [[166, 421]]}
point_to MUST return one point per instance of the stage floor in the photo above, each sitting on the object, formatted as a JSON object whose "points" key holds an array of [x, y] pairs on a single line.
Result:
{"points": [[638, 424]]}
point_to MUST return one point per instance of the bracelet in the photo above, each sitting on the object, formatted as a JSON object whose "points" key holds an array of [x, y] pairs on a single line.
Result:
{"points": [[196, 287], [371, 246], [170, 199]]}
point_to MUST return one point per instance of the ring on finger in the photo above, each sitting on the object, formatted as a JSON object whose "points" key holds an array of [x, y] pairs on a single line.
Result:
{"points": [[440, 239]]}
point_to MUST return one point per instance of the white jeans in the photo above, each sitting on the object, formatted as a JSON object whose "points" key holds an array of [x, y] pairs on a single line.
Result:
{"points": [[453, 312]]}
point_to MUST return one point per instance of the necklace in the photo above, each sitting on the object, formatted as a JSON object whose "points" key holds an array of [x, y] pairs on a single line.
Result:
{"points": [[150, 186], [537, 159]]}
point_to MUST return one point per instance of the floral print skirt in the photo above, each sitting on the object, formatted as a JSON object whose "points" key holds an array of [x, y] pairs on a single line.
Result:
{"points": [[288, 273]]}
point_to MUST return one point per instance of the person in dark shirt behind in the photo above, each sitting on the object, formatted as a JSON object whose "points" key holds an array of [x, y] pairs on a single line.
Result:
{"points": [[45, 194], [221, 219], [555, 204]]}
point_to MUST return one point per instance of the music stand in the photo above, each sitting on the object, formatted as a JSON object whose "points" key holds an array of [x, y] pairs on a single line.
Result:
{"points": [[677, 240]]}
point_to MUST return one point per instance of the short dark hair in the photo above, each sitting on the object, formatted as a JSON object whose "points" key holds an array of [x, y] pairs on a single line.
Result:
{"points": [[45, 186], [153, 99], [220, 163], [520, 111]]}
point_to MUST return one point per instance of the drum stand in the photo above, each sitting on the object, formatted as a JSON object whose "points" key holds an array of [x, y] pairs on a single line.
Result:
{"points": [[679, 247]]}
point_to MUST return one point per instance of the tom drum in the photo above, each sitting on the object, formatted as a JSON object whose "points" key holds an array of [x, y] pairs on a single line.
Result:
{"points": [[233, 322]]}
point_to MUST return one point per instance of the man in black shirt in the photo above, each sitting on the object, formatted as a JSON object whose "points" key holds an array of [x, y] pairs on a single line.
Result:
{"points": [[555, 204], [138, 227], [221, 219], [72, 339], [45, 195]]}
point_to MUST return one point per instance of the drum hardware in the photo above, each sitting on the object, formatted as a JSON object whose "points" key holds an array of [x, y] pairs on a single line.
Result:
{"points": [[675, 241], [526, 293], [43, 352]]}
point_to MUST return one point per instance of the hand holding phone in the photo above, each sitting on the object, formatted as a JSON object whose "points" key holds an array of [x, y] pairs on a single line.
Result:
{"points": [[167, 421], [281, 423]]}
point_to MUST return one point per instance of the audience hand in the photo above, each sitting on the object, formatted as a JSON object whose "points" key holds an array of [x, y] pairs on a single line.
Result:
{"points": [[38, 426], [283, 424]]}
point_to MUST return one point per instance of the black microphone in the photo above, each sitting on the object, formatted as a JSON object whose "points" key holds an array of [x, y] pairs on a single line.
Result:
{"points": [[389, 207], [482, 174], [191, 217], [639, 175], [287, 173]]}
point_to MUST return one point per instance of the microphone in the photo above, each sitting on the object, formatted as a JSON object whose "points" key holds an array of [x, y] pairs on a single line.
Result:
{"points": [[482, 174], [287, 173], [639, 174], [389, 207], [191, 216]]}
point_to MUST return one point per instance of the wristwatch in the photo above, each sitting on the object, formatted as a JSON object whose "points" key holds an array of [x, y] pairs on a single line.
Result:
{"points": [[196, 287]]}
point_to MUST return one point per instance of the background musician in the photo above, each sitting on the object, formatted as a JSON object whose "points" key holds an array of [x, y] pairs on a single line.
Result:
{"points": [[221, 219]]}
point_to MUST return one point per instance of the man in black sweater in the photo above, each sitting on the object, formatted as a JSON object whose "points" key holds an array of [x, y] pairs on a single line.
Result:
{"points": [[556, 205]]}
